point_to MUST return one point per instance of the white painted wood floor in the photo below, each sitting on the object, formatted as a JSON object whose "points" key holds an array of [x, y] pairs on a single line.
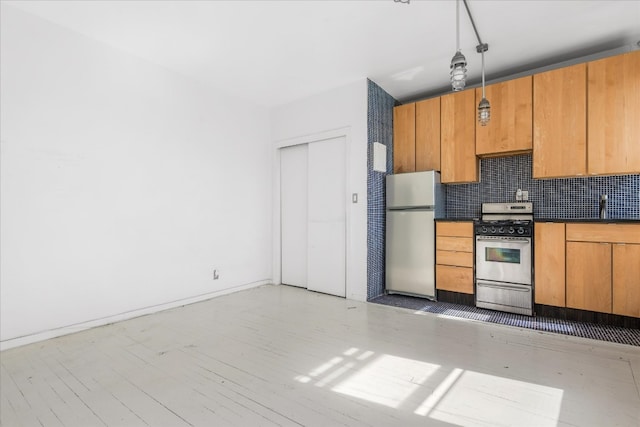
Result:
{"points": [[277, 355]]}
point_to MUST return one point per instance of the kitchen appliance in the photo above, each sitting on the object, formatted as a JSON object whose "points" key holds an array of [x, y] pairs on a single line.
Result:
{"points": [[413, 200], [504, 257]]}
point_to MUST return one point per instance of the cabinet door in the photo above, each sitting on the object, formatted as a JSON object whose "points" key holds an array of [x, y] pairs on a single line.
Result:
{"points": [[510, 129], [589, 276], [428, 135], [626, 280], [404, 138], [458, 137], [614, 115], [550, 264], [559, 122]]}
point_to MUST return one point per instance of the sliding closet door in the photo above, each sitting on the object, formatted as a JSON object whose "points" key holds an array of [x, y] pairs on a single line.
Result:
{"points": [[326, 263], [293, 206]]}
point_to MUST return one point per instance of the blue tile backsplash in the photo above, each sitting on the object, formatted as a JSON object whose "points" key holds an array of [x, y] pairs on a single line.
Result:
{"points": [[566, 198], [379, 129]]}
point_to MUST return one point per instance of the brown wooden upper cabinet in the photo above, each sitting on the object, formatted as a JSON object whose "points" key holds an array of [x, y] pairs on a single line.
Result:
{"points": [[428, 135], [614, 115], [458, 159], [510, 129], [560, 122], [585, 118], [404, 138], [416, 136]]}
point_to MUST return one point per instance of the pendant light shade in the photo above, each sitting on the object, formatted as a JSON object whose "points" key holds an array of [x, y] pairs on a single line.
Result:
{"points": [[484, 112], [458, 67], [458, 71]]}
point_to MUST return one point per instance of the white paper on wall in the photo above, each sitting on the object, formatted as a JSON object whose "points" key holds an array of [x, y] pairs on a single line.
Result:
{"points": [[379, 157]]}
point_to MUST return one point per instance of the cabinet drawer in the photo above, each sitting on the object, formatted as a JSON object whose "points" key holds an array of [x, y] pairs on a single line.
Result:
{"points": [[607, 233], [455, 279], [456, 244], [461, 259], [459, 229]]}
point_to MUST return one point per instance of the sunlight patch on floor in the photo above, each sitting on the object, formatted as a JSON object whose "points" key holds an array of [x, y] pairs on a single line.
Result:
{"points": [[387, 380], [455, 395], [488, 398], [438, 393]]}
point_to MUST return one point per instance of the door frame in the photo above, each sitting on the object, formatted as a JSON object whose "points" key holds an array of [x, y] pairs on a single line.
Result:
{"points": [[277, 214]]}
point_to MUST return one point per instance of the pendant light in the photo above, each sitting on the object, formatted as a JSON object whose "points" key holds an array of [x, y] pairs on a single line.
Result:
{"points": [[458, 62], [484, 108]]}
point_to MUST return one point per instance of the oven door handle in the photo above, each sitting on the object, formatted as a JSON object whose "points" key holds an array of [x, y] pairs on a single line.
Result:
{"points": [[488, 239], [520, 288]]}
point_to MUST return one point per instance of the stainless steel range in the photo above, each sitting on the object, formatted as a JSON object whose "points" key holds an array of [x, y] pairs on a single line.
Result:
{"points": [[504, 257]]}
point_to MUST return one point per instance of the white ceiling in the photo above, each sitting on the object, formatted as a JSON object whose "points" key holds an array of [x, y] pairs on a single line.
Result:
{"points": [[274, 52]]}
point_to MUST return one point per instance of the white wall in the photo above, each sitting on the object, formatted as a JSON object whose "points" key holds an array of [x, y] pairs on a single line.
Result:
{"points": [[122, 184], [341, 111]]}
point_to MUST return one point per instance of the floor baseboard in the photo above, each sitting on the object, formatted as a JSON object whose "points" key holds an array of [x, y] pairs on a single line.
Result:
{"points": [[71, 329]]}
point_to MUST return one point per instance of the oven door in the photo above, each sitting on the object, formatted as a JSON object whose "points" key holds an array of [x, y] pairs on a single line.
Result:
{"points": [[503, 259]]}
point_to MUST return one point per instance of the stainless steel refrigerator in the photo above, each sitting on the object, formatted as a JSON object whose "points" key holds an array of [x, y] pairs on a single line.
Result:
{"points": [[413, 201]]}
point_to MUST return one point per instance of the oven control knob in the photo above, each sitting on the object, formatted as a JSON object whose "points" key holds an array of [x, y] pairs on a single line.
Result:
{"points": [[493, 229], [484, 229], [520, 230], [512, 230], [501, 230]]}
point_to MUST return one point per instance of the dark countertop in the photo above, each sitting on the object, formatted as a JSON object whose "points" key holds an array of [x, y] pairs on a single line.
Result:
{"points": [[592, 220], [572, 220]]}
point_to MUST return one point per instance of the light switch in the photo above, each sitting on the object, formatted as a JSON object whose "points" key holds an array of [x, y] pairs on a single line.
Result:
{"points": [[354, 198]]}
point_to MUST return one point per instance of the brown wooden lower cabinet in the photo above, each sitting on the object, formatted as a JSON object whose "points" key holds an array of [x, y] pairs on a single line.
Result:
{"points": [[603, 268], [449, 243], [454, 256], [589, 276], [455, 279], [550, 264], [626, 280]]}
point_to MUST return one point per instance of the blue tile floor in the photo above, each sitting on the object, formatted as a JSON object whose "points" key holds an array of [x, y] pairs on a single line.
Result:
{"points": [[547, 324]]}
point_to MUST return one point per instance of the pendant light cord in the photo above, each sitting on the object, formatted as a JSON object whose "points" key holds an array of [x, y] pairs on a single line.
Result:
{"points": [[482, 74], [457, 25]]}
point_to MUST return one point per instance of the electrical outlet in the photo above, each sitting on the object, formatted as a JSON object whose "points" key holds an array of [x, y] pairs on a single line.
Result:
{"points": [[519, 195], [525, 195], [216, 274]]}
